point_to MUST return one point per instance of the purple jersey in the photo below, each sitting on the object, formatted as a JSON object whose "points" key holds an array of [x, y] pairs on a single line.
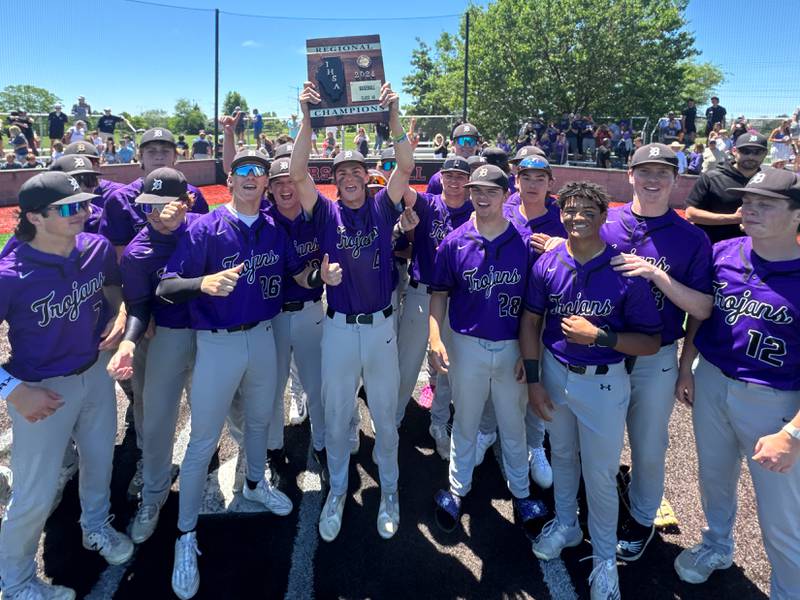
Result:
{"points": [[303, 235], [485, 281], [436, 220], [755, 321], [219, 241], [103, 191], [142, 264], [122, 217], [360, 240], [55, 306], [435, 184], [560, 287], [672, 244], [549, 222]]}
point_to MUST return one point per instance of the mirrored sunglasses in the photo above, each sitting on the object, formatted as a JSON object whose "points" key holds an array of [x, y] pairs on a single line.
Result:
{"points": [[388, 165], [466, 140], [152, 208], [245, 170], [71, 209]]}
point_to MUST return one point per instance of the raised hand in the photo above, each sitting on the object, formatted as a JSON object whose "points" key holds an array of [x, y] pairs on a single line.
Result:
{"points": [[331, 273], [409, 219], [172, 214], [221, 284], [309, 95]]}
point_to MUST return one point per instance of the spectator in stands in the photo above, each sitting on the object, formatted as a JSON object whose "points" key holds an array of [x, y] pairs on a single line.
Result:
{"points": [[109, 156], [108, 122], [527, 135], [314, 136], [31, 162], [76, 133], [689, 122], [781, 140], [241, 123], [11, 162], [381, 135], [266, 145], [560, 149], [329, 144], [725, 139], [56, 121], [602, 134], [677, 148], [711, 206], [21, 119], [126, 152], [668, 128], [545, 143], [98, 141], [575, 134], [56, 150], [502, 142], [258, 124], [201, 148], [604, 154], [739, 127], [794, 130], [439, 146], [18, 142], [361, 140], [695, 163], [637, 143], [587, 144], [293, 126], [181, 147], [715, 114], [713, 156], [81, 110], [778, 163]]}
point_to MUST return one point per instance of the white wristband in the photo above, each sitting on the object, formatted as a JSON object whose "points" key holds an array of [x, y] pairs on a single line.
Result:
{"points": [[8, 383]]}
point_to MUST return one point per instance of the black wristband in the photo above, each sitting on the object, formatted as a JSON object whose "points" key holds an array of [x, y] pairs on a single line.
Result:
{"points": [[314, 279], [531, 370], [606, 339]]}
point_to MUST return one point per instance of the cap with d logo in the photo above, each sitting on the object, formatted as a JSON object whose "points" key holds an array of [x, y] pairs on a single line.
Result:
{"points": [[157, 134], [250, 157], [348, 156], [284, 150], [162, 185], [488, 176], [279, 168], [534, 163], [526, 151], [50, 189], [654, 154], [455, 163], [74, 164], [772, 183], [467, 129], [751, 140], [85, 148]]}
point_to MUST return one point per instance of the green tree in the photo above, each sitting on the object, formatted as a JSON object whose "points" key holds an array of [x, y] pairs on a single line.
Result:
{"points": [[617, 58], [700, 80], [151, 118], [27, 97], [188, 118], [232, 100]]}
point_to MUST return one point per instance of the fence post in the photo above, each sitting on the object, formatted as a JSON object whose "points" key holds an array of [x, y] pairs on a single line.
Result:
{"points": [[466, 68], [217, 153]]}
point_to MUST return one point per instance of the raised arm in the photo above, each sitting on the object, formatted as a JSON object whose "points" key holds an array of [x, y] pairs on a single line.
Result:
{"points": [[298, 167], [398, 181], [228, 142]]}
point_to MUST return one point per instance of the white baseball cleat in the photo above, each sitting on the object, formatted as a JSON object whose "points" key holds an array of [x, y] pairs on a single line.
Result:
{"points": [[541, 471], [604, 580], [555, 537], [388, 515], [298, 409], [144, 523], [36, 589], [271, 497], [185, 574], [484, 442], [330, 520], [114, 546], [696, 564]]}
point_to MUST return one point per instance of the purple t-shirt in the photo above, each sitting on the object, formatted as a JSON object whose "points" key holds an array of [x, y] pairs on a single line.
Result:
{"points": [[303, 236], [560, 287], [55, 306], [360, 241], [122, 217], [218, 241], [549, 222], [142, 264], [672, 244], [755, 321], [436, 220], [485, 281]]}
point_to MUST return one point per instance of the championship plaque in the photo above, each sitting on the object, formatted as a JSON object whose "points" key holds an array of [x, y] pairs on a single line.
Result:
{"points": [[348, 73]]}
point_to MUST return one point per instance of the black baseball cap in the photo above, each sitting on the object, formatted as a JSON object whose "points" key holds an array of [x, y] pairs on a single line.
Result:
{"points": [[347, 156], [772, 183], [466, 129], [74, 164], [388, 153], [751, 140], [284, 150], [654, 154], [526, 151], [86, 148], [488, 176], [162, 185], [534, 163], [475, 161], [279, 168], [157, 134], [495, 156], [249, 157], [455, 163], [50, 188]]}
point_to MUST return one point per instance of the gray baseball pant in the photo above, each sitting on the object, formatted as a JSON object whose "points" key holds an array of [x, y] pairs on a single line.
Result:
{"points": [[227, 362], [170, 358], [299, 334], [534, 426], [729, 417], [586, 434], [652, 398], [351, 351], [89, 416], [480, 371]]}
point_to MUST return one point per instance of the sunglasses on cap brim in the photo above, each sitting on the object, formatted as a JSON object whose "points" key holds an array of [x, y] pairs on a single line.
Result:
{"points": [[388, 165], [245, 170], [466, 140], [71, 209]]}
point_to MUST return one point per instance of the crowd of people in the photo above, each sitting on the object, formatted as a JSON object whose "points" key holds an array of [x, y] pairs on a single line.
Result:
{"points": [[548, 319]]}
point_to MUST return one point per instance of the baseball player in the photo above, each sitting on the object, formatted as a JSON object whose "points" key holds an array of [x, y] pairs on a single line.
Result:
{"points": [[498, 157], [171, 352], [358, 338], [439, 215], [233, 263], [482, 266], [59, 292], [465, 140], [593, 317], [745, 391], [675, 257], [102, 187]]}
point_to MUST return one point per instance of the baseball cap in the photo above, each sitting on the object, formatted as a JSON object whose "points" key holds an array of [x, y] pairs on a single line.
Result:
{"points": [[526, 151], [654, 154], [157, 134], [74, 164], [772, 183], [475, 161], [85, 148], [534, 163], [57, 105], [245, 157], [488, 176], [50, 188], [387, 153], [495, 156], [284, 150], [348, 156], [466, 129], [455, 163], [279, 168], [751, 140], [161, 186], [375, 179]]}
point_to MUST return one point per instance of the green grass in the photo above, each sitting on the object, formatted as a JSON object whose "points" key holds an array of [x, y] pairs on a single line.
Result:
{"points": [[4, 238]]}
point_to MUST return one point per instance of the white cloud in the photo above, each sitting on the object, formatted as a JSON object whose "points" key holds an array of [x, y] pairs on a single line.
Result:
{"points": [[251, 44]]}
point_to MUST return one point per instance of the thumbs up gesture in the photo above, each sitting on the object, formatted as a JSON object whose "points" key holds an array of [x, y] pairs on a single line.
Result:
{"points": [[221, 284], [331, 273]]}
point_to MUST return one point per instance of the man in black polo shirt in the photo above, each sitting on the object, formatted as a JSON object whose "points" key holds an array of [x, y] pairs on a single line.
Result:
{"points": [[107, 123], [201, 148], [56, 121], [710, 205], [689, 117], [714, 114]]}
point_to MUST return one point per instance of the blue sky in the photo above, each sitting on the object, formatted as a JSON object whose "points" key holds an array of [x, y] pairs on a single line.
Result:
{"points": [[134, 57]]}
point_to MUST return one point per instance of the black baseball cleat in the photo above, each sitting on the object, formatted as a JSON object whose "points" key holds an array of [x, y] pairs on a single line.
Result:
{"points": [[633, 539]]}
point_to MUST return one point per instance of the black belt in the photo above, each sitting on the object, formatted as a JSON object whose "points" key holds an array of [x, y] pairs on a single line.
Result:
{"points": [[295, 306], [361, 318], [84, 368], [245, 327], [581, 369]]}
